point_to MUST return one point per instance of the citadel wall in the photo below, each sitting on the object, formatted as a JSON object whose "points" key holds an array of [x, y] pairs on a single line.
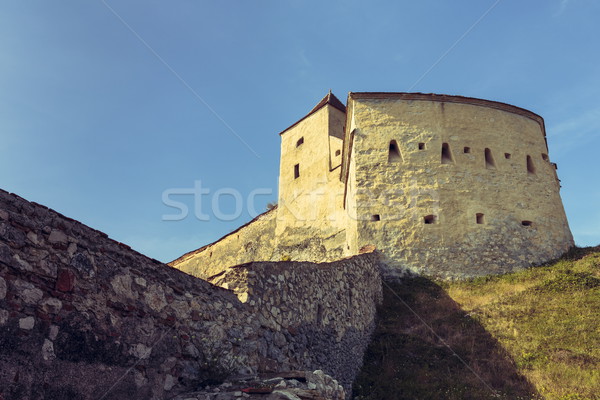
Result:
{"points": [[451, 186], [447, 186], [254, 241], [83, 316]]}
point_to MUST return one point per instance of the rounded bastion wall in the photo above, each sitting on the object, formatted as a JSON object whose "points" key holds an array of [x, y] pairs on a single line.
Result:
{"points": [[455, 187]]}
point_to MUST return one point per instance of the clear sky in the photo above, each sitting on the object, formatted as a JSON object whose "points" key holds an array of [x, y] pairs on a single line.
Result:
{"points": [[105, 105]]}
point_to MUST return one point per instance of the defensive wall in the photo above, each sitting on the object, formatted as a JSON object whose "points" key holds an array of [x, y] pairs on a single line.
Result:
{"points": [[447, 186], [254, 241], [83, 316], [451, 186]]}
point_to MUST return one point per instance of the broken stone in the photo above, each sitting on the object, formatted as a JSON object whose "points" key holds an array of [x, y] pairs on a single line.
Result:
{"points": [[51, 305], [140, 281], [121, 284], [53, 332], [28, 292], [141, 351], [3, 288], [58, 237], [83, 264], [48, 350], [169, 382], [65, 281], [26, 323], [155, 297]]}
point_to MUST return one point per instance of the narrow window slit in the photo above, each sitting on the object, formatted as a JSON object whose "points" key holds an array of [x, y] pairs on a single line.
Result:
{"points": [[375, 217], [489, 159], [479, 218], [394, 154], [530, 166], [446, 154], [300, 141], [296, 171], [421, 146], [338, 152], [507, 156], [526, 223], [467, 150], [544, 156]]}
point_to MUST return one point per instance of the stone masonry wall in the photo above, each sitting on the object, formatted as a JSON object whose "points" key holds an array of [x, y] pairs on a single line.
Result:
{"points": [[331, 296], [468, 190], [83, 316]]}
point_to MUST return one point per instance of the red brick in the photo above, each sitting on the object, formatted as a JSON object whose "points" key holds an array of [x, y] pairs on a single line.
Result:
{"points": [[65, 282]]}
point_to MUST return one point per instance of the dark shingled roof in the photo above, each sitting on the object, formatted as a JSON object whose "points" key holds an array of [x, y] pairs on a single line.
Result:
{"points": [[328, 99]]}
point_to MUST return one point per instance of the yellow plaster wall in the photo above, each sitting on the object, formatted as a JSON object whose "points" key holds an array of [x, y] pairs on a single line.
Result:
{"points": [[403, 193], [252, 242], [310, 223]]}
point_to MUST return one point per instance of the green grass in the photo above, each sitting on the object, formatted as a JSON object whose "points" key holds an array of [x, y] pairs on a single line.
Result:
{"points": [[533, 334]]}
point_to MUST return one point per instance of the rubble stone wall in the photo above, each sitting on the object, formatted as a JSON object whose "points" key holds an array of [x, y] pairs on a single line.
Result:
{"points": [[83, 316]]}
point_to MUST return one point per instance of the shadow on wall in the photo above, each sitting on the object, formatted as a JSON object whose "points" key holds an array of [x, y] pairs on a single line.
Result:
{"points": [[406, 361]]}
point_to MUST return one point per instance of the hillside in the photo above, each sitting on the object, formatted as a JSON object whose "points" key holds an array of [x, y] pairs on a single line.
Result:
{"points": [[533, 334]]}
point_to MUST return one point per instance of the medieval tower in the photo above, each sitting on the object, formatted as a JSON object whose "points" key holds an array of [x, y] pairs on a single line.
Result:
{"points": [[441, 185]]}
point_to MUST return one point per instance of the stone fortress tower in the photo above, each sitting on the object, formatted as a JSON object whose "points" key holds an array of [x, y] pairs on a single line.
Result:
{"points": [[441, 185]]}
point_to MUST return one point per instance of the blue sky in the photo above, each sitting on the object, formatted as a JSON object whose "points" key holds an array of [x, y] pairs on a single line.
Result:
{"points": [[104, 105]]}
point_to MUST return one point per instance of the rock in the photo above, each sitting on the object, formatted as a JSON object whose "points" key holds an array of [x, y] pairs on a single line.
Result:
{"points": [[6, 254], [33, 238], [51, 305], [65, 281], [141, 351], [155, 297], [283, 395], [139, 379], [83, 264], [169, 382], [279, 339], [53, 332], [140, 281], [121, 284], [3, 288], [58, 237], [48, 350], [27, 323], [28, 292], [3, 317]]}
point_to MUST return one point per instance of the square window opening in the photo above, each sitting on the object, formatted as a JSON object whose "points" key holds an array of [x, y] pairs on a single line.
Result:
{"points": [[429, 219]]}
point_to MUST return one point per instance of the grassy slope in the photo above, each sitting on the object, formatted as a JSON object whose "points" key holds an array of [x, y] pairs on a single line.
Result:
{"points": [[528, 335]]}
